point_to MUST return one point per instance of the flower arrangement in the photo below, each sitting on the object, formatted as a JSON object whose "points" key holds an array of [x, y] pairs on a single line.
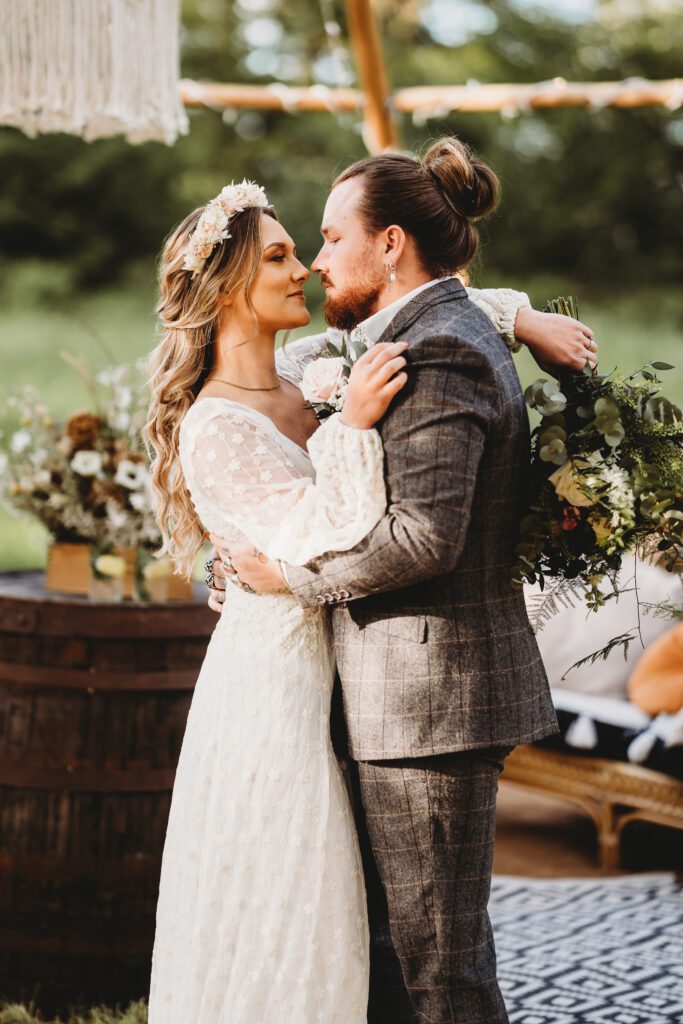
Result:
{"points": [[85, 480], [212, 227], [606, 478], [326, 379]]}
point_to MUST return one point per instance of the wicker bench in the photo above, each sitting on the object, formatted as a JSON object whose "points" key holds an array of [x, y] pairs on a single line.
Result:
{"points": [[613, 792]]}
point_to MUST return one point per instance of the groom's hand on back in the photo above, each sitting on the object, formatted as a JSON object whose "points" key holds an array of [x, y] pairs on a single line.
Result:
{"points": [[248, 567]]}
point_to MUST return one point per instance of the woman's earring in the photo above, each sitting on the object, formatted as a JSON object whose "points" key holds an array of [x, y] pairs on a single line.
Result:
{"points": [[392, 273]]}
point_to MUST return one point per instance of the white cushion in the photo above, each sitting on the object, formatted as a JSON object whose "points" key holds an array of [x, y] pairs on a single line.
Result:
{"points": [[575, 632]]}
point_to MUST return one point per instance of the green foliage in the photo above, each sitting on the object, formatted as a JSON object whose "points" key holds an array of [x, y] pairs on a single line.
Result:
{"points": [[617, 443], [593, 195]]}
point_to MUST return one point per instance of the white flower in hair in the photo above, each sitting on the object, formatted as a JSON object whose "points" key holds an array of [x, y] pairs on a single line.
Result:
{"points": [[213, 223]]}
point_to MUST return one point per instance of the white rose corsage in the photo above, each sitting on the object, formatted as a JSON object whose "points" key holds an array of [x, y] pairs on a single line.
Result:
{"points": [[326, 379]]}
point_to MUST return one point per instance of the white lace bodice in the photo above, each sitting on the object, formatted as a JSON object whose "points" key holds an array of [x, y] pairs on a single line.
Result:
{"points": [[249, 480]]}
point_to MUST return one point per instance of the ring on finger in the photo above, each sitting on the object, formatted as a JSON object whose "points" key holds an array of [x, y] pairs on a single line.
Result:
{"points": [[210, 581], [208, 564], [227, 563]]}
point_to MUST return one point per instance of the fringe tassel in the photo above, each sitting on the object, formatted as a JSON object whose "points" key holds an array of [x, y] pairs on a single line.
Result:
{"points": [[93, 68]]}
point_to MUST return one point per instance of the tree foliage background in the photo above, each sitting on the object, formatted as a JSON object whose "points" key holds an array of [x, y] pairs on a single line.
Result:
{"points": [[593, 195]]}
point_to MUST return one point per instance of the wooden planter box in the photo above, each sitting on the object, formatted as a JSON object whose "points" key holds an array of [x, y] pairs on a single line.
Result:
{"points": [[68, 572]]}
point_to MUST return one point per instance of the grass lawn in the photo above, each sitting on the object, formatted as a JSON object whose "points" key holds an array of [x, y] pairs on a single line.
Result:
{"points": [[118, 325], [136, 1013]]}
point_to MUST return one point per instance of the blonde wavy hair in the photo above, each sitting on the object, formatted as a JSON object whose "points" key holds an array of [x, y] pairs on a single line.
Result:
{"points": [[189, 311]]}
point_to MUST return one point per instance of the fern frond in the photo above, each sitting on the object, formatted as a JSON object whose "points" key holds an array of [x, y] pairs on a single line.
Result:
{"points": [[562, 593], [624, 640]]}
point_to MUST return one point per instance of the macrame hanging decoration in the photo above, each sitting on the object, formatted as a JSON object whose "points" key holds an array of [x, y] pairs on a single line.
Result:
{"points": [[92, 68]]}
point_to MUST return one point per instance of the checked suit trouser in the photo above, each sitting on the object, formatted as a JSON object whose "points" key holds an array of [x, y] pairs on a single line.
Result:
{"points": [[427, 829]]}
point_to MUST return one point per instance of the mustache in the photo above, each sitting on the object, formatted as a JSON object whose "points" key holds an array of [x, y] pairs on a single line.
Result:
{"points": [[325, 281]]}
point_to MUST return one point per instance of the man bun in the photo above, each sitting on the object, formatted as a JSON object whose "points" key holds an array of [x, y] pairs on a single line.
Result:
{"points": [[435, 200], [469, 186]]}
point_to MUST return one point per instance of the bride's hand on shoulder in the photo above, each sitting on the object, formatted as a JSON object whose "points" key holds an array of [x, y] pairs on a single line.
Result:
{"points": [[556, 341], [375, 378]]}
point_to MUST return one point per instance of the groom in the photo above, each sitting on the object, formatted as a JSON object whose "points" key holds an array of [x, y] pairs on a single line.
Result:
{"points": [[440, 672]]}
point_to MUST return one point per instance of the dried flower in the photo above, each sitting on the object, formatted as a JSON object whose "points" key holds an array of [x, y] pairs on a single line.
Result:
{"points": [[132, 475], [88, 480], [212, 226], [83, 430], [86, 463]]}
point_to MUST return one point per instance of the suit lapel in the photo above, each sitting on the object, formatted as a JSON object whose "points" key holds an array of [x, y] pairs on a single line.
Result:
{"points": [[445, 291]]}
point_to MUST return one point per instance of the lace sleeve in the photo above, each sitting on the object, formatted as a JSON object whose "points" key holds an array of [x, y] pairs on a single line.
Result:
{"points": [[501, 306], [242, 477], [291, 359]]}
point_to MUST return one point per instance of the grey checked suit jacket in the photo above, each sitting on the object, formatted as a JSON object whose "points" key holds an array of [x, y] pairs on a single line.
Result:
{"points": [[434, 648]]}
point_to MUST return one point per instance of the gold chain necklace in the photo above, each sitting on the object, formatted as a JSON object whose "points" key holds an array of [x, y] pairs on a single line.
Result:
{"points": [[242, 387]]}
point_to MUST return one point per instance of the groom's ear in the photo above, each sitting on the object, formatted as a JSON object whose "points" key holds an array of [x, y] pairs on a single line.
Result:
{"points": [[394, 242]]}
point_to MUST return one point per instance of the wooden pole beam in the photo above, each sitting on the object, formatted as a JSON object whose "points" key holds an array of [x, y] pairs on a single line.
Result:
{"points": [[380, 129], [219, 96], [436, 101]]}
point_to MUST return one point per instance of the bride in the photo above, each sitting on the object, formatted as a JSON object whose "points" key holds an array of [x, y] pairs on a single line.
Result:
{"points": [[261, 914]]}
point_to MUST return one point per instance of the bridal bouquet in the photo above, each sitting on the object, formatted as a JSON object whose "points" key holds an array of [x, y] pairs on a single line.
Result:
{"points": [[86, 480], [326, 379], [606, 477]]}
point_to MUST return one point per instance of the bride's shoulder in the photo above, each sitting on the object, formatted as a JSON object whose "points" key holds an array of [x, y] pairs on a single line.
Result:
{"points": [[212, 415]]}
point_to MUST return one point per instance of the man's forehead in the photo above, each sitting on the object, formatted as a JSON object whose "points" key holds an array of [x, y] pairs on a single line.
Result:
{"points": [[342, 203]]}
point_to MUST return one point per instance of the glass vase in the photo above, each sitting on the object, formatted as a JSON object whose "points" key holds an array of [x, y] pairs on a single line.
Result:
{"points": [[107, 576], [152, 577]]}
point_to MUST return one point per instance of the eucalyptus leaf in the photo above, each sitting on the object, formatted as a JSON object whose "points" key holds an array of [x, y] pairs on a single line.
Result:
{"points": [[661, 366], [556, 420], [555, 452], [607, 406], [615, 436], [552, 434]]}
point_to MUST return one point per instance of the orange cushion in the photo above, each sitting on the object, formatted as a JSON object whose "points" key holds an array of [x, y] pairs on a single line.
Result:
{"points": [[656, 683]]}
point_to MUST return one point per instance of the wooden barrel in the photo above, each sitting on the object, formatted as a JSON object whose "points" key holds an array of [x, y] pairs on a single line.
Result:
{"points": [[93, 705]]}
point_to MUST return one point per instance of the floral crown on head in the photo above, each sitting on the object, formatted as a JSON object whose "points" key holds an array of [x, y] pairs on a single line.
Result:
{"points": [[212, 227]]}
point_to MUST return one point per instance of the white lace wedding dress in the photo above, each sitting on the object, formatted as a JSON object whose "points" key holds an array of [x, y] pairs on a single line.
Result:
{"points": [[262, 916]]}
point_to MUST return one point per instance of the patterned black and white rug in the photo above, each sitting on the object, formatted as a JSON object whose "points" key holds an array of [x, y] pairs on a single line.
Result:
{"points": [[590, 950]]}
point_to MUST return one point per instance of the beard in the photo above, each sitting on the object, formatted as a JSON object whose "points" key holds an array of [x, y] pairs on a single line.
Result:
{"points": [[347, 309]]}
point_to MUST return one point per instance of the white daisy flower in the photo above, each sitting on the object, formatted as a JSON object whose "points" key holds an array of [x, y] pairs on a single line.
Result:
{"points": [[131, 475], [87, 463]]}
